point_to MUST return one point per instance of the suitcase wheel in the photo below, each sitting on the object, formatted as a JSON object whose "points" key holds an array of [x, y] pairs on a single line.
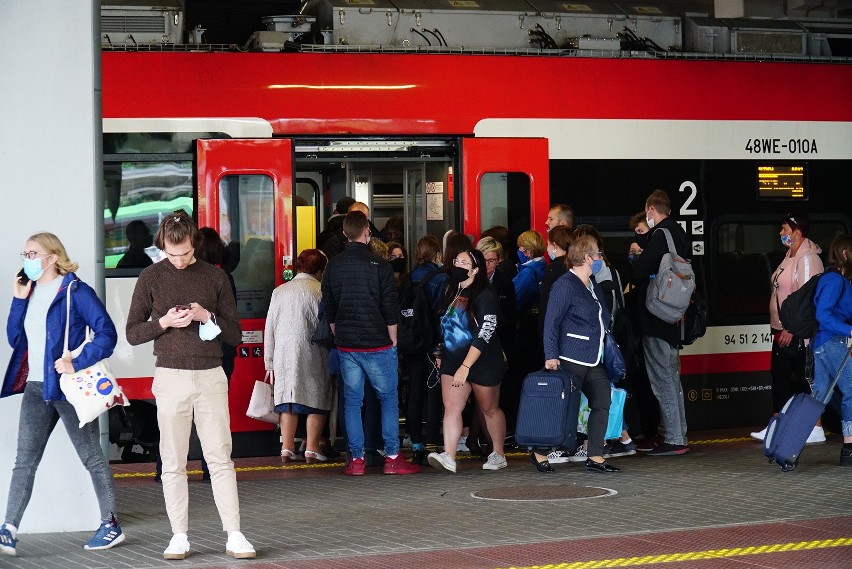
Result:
{"points": [[789, 466]]}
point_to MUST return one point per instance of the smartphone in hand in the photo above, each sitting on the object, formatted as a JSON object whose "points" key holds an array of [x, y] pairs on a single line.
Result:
{"points": [[183, 307], [22, 277]]}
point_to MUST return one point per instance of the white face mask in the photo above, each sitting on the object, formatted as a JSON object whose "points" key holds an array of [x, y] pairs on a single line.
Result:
{"points": [[209, 330], [650, 221]]}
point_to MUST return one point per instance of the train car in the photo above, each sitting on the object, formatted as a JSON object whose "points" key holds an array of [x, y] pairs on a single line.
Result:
{"points": [[270, 141]]}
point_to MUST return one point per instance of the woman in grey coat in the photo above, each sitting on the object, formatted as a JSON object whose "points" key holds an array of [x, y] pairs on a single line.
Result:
{"points": [[300, 368]]}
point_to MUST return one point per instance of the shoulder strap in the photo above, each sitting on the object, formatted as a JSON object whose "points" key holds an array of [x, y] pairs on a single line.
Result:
{"points": [[670, 241], [67, 317]]}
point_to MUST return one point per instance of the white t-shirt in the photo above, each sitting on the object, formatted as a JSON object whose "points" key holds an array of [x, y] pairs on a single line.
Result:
{"points": [[35, 326]]}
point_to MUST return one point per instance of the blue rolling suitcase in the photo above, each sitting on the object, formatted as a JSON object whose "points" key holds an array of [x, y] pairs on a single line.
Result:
{"points": [[788, 431], [548, 410]]}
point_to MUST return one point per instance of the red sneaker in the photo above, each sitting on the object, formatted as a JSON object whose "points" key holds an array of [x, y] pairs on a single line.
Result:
{"points": [[355, 467], [399, 465]]}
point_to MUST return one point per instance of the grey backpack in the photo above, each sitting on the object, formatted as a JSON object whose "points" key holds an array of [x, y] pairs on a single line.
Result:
{"points": [[670, 290]]}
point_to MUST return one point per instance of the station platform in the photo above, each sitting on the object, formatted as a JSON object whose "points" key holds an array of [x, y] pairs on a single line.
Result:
{"points": [[721, 506]]}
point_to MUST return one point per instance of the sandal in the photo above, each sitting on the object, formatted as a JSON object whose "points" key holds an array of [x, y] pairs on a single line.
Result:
{"points": [[312, 457], [288, 455]]}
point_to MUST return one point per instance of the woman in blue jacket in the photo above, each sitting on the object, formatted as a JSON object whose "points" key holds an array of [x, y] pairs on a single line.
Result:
{"points": [[574, 327], [36, 331], [833, 300]]}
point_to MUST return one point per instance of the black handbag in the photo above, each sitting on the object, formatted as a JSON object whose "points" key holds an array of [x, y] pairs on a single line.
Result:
{"points": [[613, 360], [323, 336]]}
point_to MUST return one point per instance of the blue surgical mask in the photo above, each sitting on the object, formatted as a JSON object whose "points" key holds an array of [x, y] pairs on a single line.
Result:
{"points": [[522, 257], [552, 255], [786, 241], [33, 269], [632, 257], [597, 265]]}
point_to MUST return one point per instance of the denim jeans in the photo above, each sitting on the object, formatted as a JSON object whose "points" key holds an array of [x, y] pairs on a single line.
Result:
{"points": [[372, 415], [827, 360], [663, 366], [38, 418], [380, 369]]}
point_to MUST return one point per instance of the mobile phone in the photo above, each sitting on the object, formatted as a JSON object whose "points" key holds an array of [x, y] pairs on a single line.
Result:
{"points": [[22, 277], [183, 307]]}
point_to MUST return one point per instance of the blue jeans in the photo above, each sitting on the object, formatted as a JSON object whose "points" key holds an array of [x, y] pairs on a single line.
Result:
{"points": [[663, 367], [380, 368], [827, 360], [38, 418]]}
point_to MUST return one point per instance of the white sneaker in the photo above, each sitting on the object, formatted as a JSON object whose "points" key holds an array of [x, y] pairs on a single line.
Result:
{"points": [[495, 462], [557, 457], [580, 456], [178, 547], [238, 547], [462, 446], [442, 461], [759, 435], [816, 436]]}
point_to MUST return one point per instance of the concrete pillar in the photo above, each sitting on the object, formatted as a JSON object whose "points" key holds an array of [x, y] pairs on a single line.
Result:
{"points": [[50, 167]]}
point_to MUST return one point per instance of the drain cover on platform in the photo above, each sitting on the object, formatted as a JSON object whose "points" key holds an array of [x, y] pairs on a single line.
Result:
{"points": [[533, 493]]}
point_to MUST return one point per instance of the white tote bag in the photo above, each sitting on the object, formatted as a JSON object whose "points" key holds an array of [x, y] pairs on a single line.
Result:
{"points": [[262, 403], [91, 390]]}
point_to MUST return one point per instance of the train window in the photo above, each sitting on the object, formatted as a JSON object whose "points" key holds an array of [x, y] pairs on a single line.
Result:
{"points": [[748, 254], [137, 195], [154, 142], [247, 225], [505, 200]]}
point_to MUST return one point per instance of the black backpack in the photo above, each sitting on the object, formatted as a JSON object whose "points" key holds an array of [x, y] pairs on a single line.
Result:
{"points": [[798, 312], [417, 332], [695, 319]]}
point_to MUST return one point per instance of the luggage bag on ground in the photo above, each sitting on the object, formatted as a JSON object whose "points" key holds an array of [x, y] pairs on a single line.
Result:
{"points": [[788, 431], [547, 414]]}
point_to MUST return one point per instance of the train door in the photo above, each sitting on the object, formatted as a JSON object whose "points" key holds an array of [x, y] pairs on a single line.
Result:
{"points": [[245, 192], [505, 182]]}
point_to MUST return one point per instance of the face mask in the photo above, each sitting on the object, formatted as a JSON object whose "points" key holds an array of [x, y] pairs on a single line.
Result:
{"points": [[786, 241], [209, 330], [458, 274], [650, 221], [597, 265], [641, 240], [522, 256], [632, 257], [552, 255], [398, 265], [33, 269]]}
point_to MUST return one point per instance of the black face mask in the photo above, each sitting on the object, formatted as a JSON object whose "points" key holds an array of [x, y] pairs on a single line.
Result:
{"points": [[398, 265], [642, 240], [458, 274]]}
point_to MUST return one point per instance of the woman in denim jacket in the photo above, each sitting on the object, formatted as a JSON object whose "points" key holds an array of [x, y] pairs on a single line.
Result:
{"points": [[833, 300], [36, 332], [574, 329]]}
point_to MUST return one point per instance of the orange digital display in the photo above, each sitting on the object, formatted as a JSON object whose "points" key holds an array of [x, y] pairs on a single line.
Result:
{"points": [[781, 182]]}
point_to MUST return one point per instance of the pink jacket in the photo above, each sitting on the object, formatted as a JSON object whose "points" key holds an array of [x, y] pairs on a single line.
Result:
{"points": [[791, 274]]}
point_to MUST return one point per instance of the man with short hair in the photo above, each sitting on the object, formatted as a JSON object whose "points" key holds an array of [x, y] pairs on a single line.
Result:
{"points": [[335, 244], [660, 340], [560, 214], [335, 222], [360, 299]]}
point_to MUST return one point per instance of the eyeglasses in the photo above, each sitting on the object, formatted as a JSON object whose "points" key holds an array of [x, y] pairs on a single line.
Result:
{"points": [[33, 255], [463, 263], [492, 261]]}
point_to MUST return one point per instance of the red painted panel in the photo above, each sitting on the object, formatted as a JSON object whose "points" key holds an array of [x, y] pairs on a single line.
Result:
{"points": [[137, 387], [483, 155], [730, 363], [302, 93]]}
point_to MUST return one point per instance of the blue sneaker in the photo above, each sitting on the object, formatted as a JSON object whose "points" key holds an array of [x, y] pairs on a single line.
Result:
{"points": [[108, 535], [7, 542]]}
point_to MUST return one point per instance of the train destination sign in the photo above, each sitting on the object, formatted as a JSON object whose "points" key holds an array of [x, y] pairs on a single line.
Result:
{"points": [[785, 182]]}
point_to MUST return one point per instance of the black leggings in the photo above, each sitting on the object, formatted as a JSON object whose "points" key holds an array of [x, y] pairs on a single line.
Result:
{"points": [[788, 373], [424, 389]]}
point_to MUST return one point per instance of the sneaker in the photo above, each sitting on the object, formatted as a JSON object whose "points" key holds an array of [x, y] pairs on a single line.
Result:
{"points": [[650, 443], [759, 435], [442, 461], [845, 457], [558, 457], [355, 467], [8, 544], [495, 462], [399, 465], [580, 456], [816, 436], [238, 547], [108, 535], [462, 446], [667, 449], [618, 448], [178, 547]]}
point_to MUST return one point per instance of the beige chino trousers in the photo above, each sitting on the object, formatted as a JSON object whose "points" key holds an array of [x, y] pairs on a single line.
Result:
{"points": [[182, 396]]}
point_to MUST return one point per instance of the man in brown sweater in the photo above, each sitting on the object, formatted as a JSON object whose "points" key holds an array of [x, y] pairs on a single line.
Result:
{"points": [[186, 307]]}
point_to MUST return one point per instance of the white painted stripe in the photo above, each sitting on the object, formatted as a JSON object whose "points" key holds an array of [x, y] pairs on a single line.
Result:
{"points": [[248, 127], [732, 340]]}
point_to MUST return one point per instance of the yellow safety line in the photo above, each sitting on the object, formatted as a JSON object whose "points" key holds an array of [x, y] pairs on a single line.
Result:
{"points": [[697, 555]]}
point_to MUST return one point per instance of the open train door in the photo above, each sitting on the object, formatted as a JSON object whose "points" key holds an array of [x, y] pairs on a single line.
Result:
{"points": [[505, 181], [245, 190]]}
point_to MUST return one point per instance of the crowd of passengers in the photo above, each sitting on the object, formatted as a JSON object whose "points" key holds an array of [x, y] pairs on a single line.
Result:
{"points": [[494, 321]]}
